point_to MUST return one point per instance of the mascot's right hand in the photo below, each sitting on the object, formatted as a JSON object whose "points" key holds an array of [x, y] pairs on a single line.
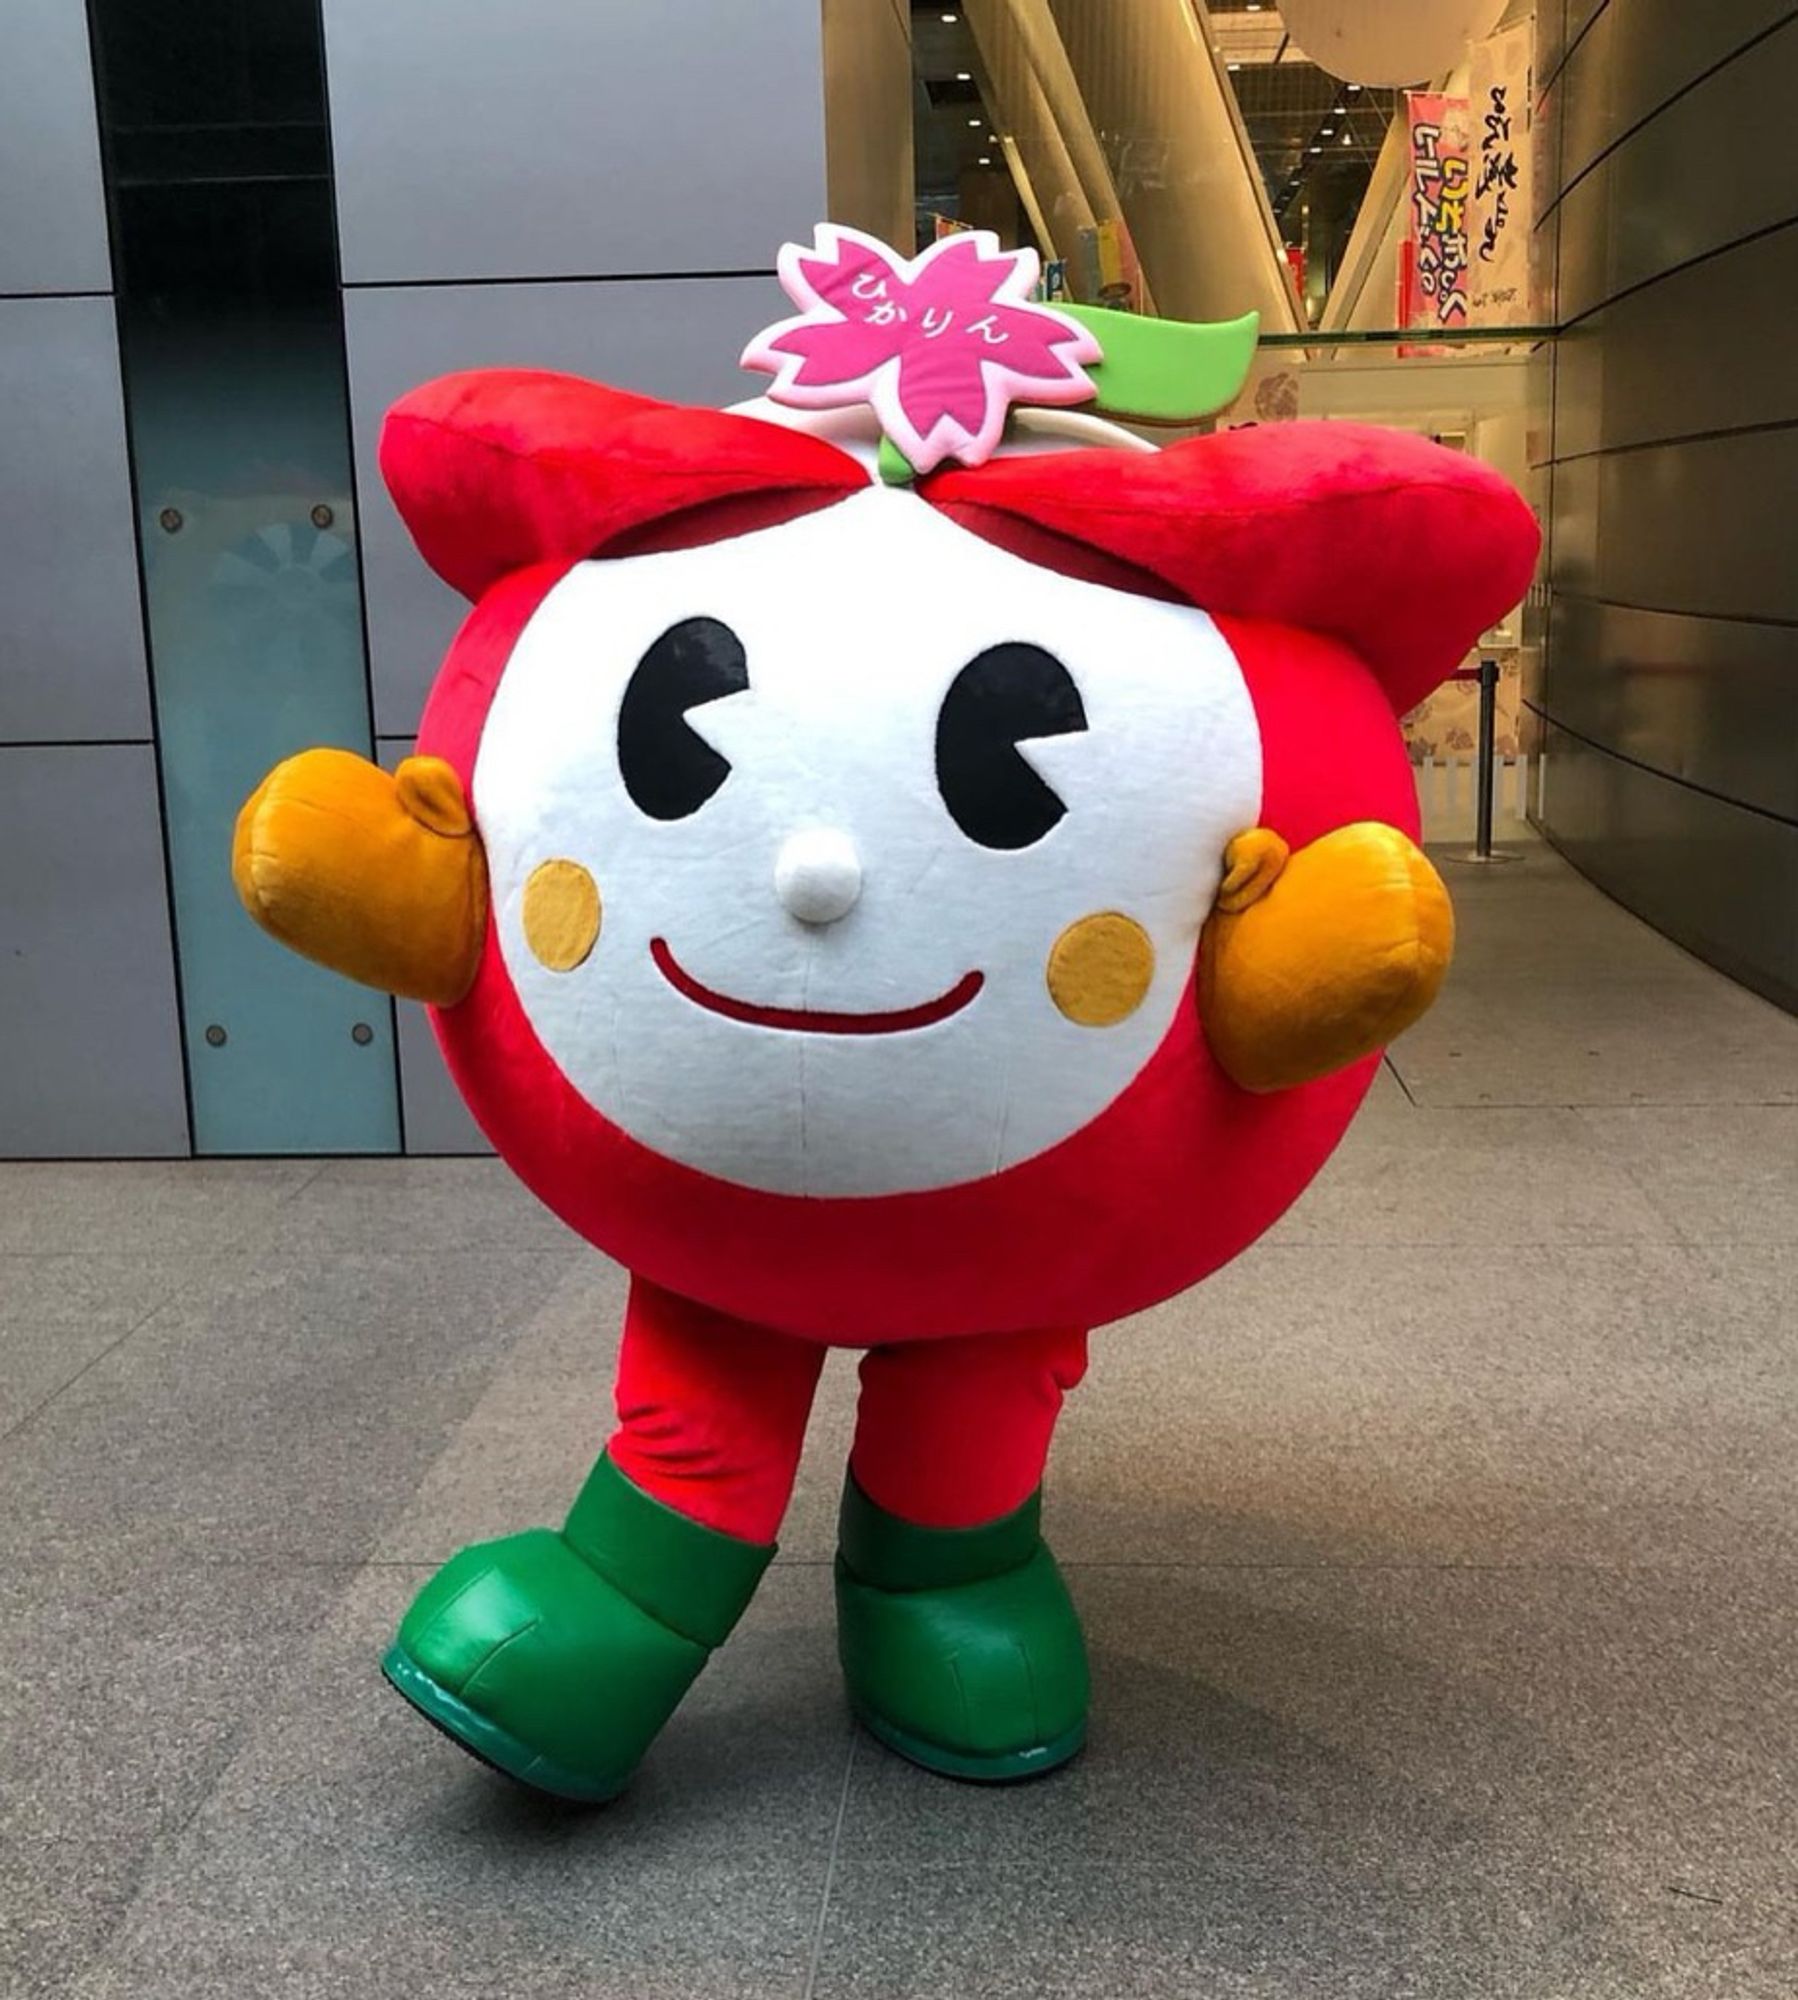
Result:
{"points": [[380, 876]]}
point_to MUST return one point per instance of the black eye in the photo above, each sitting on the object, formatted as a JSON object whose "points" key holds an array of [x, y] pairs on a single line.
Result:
{"points": [[668, 769], [1001, 698]]}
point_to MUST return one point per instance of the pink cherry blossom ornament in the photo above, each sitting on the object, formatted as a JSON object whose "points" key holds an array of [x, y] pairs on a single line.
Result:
{"points": [[940, 345]]}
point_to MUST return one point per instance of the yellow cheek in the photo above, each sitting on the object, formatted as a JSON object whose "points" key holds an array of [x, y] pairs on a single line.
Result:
{"points": [[1100, 968], [561, 914]]}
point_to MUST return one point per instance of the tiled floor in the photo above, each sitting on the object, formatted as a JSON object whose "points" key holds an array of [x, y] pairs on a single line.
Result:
{"points": [[1438, 1561]]}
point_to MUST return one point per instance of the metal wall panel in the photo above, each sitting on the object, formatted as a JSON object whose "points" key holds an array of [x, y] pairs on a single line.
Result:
{"points": [[1665, 362], [1559, 28], [436, 1119], [547, 139], [1715, 877], [1706, 700], [1638, 56], [1715, 166], [71, 626], [1573, 532], [87, 986], [1668, 686], [1579, 16], [1700, 527], [1551, 39], [52, 208], [678, 338]]}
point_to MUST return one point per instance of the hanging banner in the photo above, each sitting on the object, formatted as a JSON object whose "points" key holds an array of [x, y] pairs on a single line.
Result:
{"points": [[1433, 281], [1499, 215]]}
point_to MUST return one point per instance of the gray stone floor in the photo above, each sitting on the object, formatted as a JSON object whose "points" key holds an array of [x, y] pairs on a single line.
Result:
{"points": [[1438, 1561]]}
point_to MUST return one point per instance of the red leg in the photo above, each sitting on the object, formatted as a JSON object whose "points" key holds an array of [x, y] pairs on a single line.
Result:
{"points": [[954, 1433], [711, 1412], [556, 1655]]}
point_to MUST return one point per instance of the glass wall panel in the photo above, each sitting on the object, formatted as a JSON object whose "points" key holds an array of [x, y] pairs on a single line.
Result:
{"points": [[218, 170]]}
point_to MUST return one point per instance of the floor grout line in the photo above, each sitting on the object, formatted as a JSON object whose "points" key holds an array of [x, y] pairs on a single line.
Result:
{"points": [[93, 1361], [61, 1389], [830, 1870]]}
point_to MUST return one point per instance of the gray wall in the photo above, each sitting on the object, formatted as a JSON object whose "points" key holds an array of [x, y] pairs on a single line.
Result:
{"points": [[1669, 685], [601, 189], [90, 1047]]}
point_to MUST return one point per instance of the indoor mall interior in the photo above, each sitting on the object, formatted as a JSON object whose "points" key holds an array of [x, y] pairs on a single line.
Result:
{"points": [[430, 1035]]}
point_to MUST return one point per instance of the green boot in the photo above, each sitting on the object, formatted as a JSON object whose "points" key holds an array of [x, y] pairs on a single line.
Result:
{"points": [[557, 1657], [961, 1646]]}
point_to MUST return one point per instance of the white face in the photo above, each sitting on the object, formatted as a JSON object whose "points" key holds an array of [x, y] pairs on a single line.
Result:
{"points": [[872, 918]]}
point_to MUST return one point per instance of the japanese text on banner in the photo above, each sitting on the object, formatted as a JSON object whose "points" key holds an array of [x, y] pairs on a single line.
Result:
{"points": [[1434, 276], [1499, 91]]}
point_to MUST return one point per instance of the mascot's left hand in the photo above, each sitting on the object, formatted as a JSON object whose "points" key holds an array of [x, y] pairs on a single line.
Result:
{"points": [[1312, 960]]}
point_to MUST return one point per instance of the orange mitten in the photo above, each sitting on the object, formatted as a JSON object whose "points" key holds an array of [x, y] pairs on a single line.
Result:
{"points": [[1314, 959], [379, 876]]}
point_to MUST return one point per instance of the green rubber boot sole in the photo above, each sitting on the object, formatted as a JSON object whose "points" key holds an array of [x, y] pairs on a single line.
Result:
{"points": [[1005, 1767], [961, 1648], [485, 1739]]}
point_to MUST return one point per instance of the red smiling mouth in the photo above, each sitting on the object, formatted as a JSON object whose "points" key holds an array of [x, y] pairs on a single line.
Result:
{"points": [[803, 1020]]}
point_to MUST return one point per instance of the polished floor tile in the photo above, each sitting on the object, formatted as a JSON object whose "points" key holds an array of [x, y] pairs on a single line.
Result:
{"points": [[1344, 1783], [126, 1684], [1559, 997], [1688, 1039], [152, 1208], [452, 1204], [59, 1313], [1713, 1173], [1412, 1175], [280, 1411], [1328, 1404], [348, 1849]]}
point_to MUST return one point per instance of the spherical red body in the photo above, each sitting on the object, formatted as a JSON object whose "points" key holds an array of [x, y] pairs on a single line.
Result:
{"points": [[1179, 1174]]}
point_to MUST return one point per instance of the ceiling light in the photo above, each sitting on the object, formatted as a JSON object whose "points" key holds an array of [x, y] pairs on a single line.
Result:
{"points": [[951, 19], [1254, 7], [1346, 138], [1313, 149], [1354, 86], [986, 159], [1235, 65], [974, 122], [963, 76], [1338, 110], [1329, 131]]}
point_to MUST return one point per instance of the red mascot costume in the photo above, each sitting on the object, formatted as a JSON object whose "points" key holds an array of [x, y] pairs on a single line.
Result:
{"points": [[902, 865]]}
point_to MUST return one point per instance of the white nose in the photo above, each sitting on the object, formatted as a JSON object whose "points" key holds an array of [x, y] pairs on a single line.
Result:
{"points": [[817, 875]]}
